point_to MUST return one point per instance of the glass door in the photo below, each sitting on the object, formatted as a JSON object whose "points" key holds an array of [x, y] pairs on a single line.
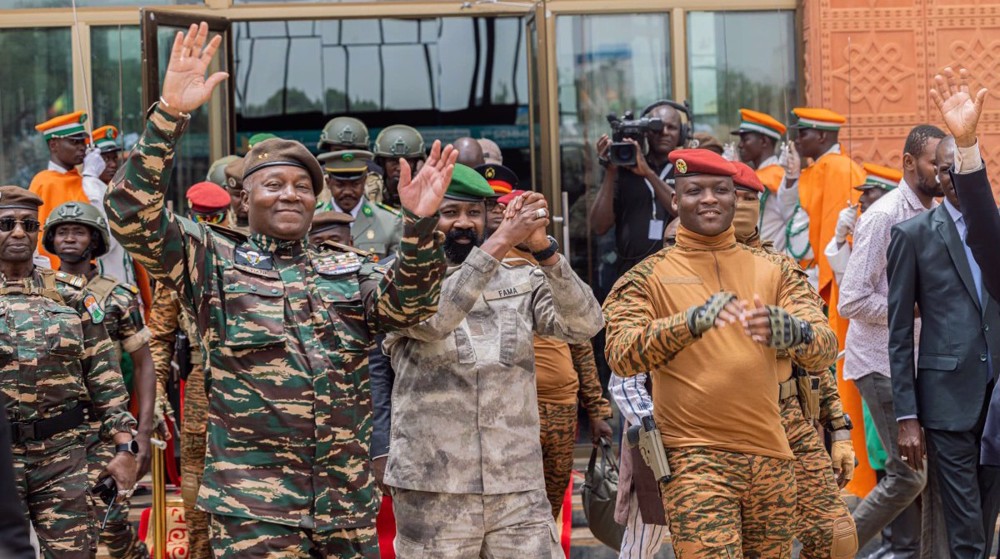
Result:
{"points": [[212, 129]]}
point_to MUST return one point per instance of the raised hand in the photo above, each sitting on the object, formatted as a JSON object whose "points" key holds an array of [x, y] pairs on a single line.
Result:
{"points": [[961, 111], [422, 194], [185, 87]]}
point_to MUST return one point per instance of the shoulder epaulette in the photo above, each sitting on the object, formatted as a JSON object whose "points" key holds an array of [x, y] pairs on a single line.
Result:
{"points": [[69, 279], [331, 245], [101, 287], [231, 234], [390, 209]]}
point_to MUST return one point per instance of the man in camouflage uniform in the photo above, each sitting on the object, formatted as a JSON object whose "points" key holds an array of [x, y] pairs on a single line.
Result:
{"points": [[376, 228], [393, 144], [348, 133], [825, 526], [465, 461], [286, 328], [168, 322], [706, 318], [55, 358], [77, 233], [227, 173]]}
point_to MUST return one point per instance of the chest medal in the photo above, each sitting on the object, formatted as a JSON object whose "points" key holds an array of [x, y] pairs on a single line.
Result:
{"points": [[337, 264]]}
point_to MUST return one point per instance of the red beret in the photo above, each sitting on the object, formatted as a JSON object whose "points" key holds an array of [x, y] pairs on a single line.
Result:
{"points": [[747, 177], [508, 198], [207, 198], [700, 162]]}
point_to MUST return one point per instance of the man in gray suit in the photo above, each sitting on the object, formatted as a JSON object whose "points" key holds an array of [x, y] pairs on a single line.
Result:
{"points": [[945, 397], [376, 228]]}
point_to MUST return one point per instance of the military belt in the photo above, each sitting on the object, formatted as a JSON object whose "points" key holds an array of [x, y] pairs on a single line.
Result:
{"points": [[788, 389], [46, 428]]}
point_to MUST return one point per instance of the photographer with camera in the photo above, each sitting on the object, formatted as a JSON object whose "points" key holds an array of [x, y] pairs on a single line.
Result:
{"points": [[635, 194]]}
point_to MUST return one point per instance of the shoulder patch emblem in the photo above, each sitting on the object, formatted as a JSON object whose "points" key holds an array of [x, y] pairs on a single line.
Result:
{"points": [[95, 310]]}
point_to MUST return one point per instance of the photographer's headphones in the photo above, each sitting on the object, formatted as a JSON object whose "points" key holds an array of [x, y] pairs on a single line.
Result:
{"points": [[685, 107]]}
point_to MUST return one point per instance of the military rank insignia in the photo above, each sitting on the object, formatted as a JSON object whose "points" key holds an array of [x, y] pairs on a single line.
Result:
{"points": [[253, 258], [337, 263], [95, 310]]}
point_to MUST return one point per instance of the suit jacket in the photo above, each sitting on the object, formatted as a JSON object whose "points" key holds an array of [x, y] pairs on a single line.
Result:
{"points": [[377, 230], [927, 266], [983, 220]]}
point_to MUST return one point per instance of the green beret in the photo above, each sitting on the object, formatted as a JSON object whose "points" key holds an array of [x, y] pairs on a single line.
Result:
{"points": [[258, 138], [467, 185], [281, 153], [19, 197]]}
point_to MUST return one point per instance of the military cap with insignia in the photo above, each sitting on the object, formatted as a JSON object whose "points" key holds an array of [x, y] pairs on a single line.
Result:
{"points": [[746, 177], [346, 164], [106, 139], [325, 220], [878, 176], [217, 172], [501, 179], [207, 198], [278, 152], [760, 123], [64, 126], [16, 197], [234, 174], [820, 119], [467, 185], [700, 162]]}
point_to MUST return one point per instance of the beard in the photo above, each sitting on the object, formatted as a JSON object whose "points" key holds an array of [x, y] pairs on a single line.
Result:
{"points": [[455, 252]]}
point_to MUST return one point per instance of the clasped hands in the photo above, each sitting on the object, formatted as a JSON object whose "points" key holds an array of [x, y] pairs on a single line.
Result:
{"points": [[767, 325]]}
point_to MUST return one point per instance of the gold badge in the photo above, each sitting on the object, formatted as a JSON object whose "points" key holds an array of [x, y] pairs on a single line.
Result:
{"points": [[371, 234], [490, 173], [682, 166]]}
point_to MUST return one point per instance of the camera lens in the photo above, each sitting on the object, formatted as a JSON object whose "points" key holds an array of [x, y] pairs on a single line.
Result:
{"points": [[623, 155]]}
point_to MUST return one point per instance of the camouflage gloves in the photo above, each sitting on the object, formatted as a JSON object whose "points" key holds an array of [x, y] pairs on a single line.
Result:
{"points": [[786, 330], [702, 318]]}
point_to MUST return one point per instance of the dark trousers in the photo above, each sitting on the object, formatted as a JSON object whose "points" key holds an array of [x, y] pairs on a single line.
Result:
{"points": [[970, 493]]}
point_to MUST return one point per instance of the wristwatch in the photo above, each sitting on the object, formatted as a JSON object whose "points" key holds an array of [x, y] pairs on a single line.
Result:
{"points": [[549, 252], [132, 447]]}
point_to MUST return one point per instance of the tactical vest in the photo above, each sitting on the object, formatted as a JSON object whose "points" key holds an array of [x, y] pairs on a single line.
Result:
{"points": [[47, 289]]}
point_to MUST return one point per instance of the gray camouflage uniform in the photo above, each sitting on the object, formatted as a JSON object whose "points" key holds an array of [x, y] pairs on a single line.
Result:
{"points": [[465, 462]]}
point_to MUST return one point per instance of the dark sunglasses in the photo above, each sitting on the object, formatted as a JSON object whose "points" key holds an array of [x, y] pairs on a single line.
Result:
{"points": [[7, 224], [216, 218]]}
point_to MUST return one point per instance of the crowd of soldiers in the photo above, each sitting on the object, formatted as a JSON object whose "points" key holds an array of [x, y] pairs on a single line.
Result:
{"points": [[397, 322]]}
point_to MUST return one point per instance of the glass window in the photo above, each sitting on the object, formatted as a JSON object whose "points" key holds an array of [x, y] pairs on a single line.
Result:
{"points": [[116, 75], [448, 77], [606, 64], [740, 59], [20, 4], [37, 78]]}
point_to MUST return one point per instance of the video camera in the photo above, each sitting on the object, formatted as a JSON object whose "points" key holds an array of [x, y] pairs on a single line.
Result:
{"points": [[623, 153]]}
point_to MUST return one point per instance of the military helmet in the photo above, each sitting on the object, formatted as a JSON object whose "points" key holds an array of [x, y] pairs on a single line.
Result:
{"points": [[399, 140], [344, 132], [217, 172], [80, 213]]}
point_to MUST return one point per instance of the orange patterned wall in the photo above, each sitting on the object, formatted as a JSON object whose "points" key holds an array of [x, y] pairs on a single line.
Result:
{"points": [[874, 60]]}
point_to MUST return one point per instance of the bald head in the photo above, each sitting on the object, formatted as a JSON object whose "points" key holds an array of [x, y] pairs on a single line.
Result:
{"points": [[470, 153], [491, 151]]}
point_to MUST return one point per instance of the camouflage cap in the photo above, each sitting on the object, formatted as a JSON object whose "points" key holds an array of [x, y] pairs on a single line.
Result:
{"points": [[467, 185], [278, 152], [12, 197], [346, 164], [326, 220], [217, 172], [234, 174]]}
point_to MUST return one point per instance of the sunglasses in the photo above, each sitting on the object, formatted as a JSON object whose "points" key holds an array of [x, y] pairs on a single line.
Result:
{"points": [[216, 218], [8, 224]]}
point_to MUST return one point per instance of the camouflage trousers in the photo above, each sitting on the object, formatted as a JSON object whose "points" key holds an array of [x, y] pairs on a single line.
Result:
{"points": [[53, 485], [118, 534], [464, 526], [725, 505], [558, 434], [192, 445], [245, 538], [825, 526]]}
